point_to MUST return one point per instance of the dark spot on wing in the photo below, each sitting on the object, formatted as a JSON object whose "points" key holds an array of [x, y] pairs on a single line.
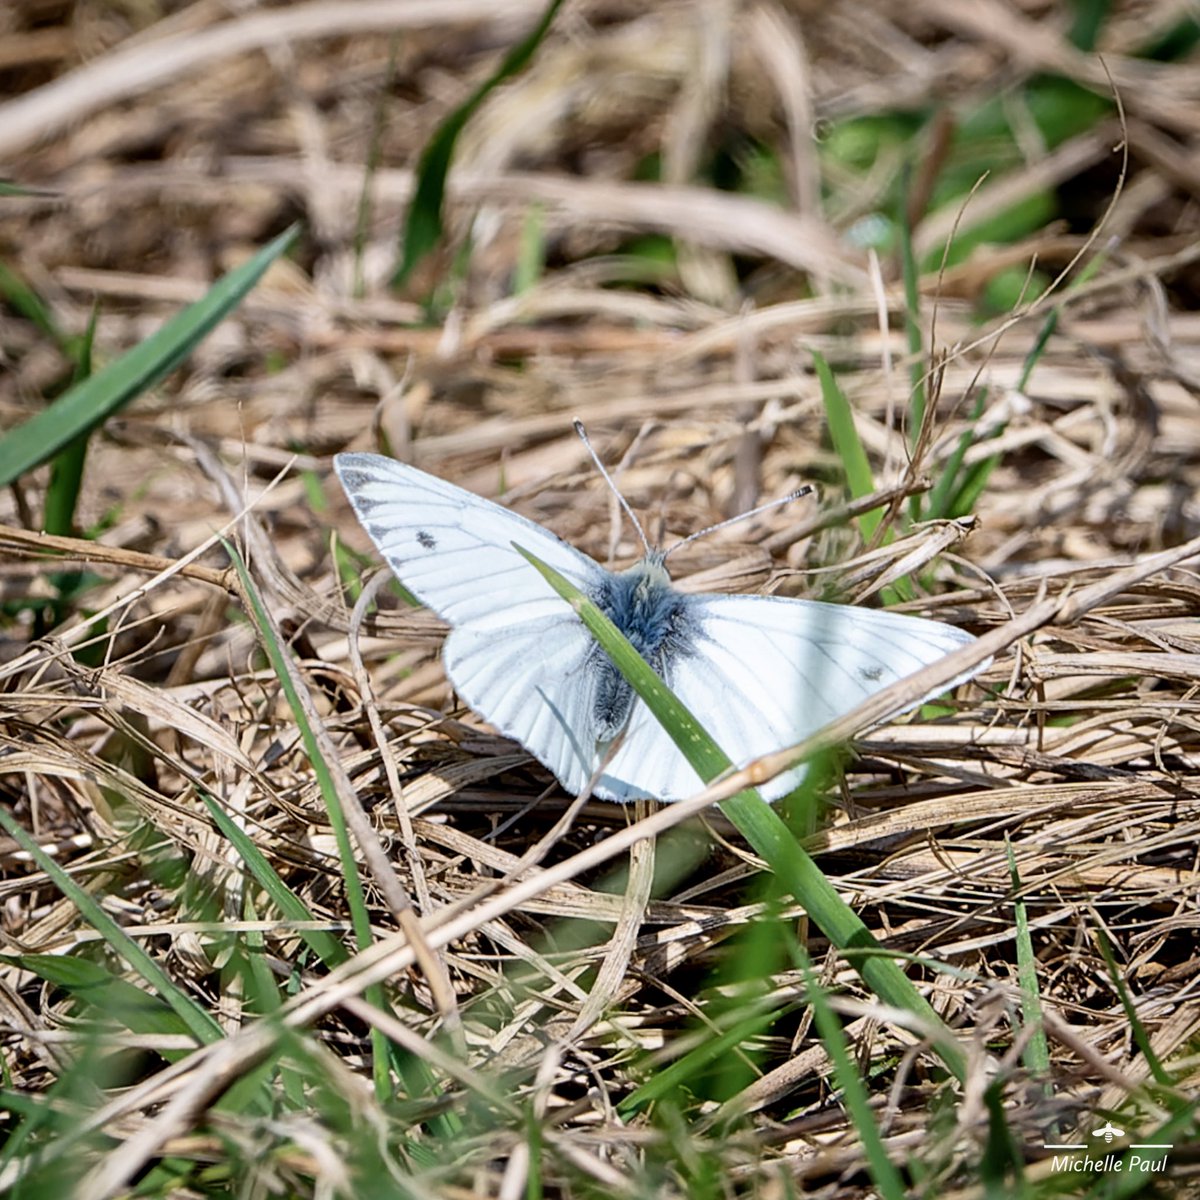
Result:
{"points": [[426, 539], [871, 674]]}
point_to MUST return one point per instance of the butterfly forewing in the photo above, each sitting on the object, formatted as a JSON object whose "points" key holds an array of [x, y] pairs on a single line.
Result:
{"points": [[453, 549]]}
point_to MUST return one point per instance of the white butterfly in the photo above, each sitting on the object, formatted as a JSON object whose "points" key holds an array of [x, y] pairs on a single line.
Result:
{"points": [[759, 672]]}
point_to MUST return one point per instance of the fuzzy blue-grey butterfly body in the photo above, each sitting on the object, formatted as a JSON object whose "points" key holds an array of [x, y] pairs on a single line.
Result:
{"points": [[759, 672], [655, 618]]}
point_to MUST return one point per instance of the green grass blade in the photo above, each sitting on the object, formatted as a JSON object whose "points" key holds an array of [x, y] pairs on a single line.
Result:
{"points": [[25, 300], [535, 1189], [973, 487], [1037, 1051], [846, 443], [322, 943], [943, 497], [89, 403], [1137, 1027], [107, 996], [423, 226], [666, 1080], [849, 448], [41, 1113], [195, 1019], [42, 1151], [1045, 333], [1088, 22], [854, 1093], [413, 1070], [1001, 1165], [282, 667], [8, 188], [761, 826], [976, 479], [66, 474], [531, 251], [685, 731]]}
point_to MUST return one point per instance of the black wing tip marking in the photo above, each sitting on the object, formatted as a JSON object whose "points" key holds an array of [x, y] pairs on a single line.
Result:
{"points": [[359, 468], [355, 470], [359, 460], [350, 461]]}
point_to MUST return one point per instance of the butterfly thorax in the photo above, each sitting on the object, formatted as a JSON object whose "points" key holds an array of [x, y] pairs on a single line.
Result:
{"points": [[644, 606]]}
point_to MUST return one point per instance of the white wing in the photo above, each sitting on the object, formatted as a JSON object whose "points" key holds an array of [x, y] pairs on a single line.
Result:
{"points": [[453, 549], [534, 682], [765, 672], [517, 653]]}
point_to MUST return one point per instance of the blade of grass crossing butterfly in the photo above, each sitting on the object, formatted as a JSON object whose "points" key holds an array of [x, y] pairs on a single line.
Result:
{"points": [[761, 826]]}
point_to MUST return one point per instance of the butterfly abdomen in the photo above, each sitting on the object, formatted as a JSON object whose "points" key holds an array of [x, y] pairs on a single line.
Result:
{"points": [[644, 606]]}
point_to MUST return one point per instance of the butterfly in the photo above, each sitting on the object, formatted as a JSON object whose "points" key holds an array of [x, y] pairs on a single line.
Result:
{"points": [[759, 672]]}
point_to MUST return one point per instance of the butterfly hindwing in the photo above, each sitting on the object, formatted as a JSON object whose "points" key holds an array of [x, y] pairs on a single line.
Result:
{"points": [[764, 672], [534, 683]]}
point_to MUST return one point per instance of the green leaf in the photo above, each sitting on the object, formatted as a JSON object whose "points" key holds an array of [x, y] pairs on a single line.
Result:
{"points": [[423, 227], [107, 995], [854, 1093], [846, 443], [194, 1018], [89, 403]]}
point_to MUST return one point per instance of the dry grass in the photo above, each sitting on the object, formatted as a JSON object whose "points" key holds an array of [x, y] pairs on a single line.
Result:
{"points": [[536, 985]]}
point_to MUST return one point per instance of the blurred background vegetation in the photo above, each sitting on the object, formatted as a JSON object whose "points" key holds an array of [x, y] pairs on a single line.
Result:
{"points": [[938, 258]]}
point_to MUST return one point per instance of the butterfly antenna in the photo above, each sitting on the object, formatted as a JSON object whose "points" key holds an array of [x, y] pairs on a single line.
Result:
{"points": [[762, 508], [583, 437]]}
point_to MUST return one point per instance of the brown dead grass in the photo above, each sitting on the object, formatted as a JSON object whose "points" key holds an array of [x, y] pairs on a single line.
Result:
{"points": [[157, 180]]}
